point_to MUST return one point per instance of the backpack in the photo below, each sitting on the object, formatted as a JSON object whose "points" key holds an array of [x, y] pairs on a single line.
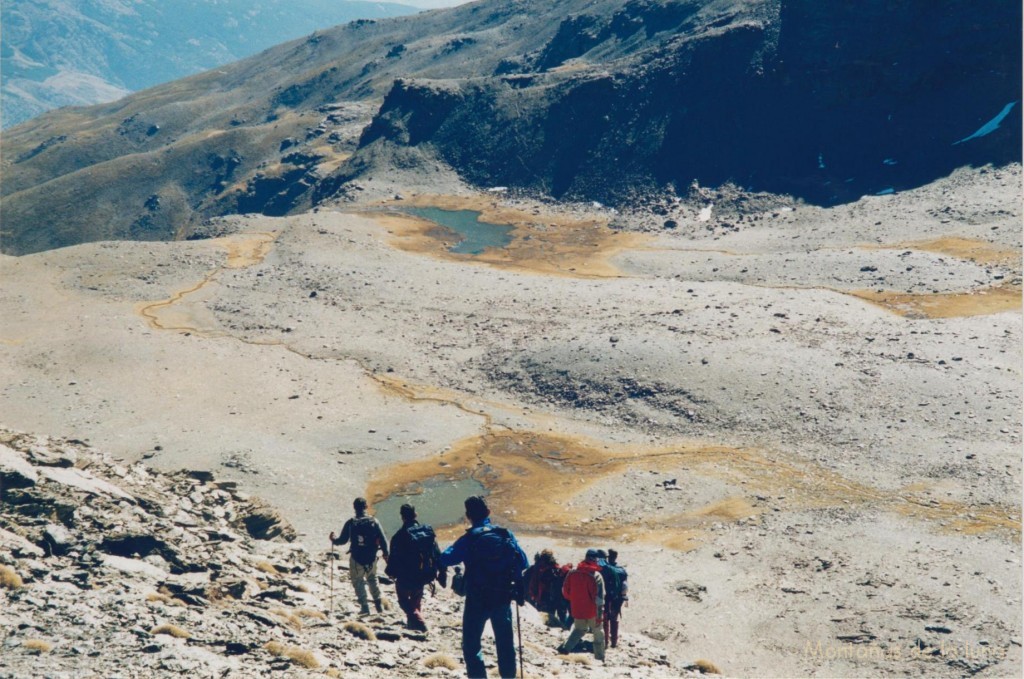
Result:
{"points": [[493, 566], [551, 594], [614, 581], [364, 539], [423, 569]]}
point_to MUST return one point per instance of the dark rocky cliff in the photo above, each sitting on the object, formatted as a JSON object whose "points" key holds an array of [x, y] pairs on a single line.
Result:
{"points": [[824, 101]]}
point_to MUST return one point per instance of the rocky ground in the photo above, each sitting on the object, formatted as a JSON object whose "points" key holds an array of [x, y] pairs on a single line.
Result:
{"points": [[117, 570], [800, 426]]}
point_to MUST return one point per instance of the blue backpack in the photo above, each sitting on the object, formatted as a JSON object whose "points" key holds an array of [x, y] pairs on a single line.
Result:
{"points": [[614, 581], [493, 566]]}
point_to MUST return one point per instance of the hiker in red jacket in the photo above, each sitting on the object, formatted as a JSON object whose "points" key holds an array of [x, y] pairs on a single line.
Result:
{"points": [[584, 588]]}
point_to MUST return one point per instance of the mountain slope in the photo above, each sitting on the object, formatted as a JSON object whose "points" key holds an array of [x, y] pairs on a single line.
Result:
{"points": [[80, 52], [574, 99]]}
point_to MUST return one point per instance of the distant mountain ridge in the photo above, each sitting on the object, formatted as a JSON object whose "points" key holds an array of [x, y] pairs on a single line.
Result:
{"points": [[584, 99], [79, 52]]}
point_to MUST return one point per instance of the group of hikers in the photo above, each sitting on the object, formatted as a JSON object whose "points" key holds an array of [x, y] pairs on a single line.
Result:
{"points": [[588, 598]]}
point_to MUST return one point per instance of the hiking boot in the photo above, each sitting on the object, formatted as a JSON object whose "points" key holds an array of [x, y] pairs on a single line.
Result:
{"points": [[378, 606], [364, 609]]}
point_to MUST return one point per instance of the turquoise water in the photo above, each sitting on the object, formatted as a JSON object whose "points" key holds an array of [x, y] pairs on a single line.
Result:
{"points": [[438, 502], [476, 236]]}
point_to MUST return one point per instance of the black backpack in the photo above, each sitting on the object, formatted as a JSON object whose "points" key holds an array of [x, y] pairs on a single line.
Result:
{"points": [[493, 566], [554, 578], [423, 557], [365, 534]]}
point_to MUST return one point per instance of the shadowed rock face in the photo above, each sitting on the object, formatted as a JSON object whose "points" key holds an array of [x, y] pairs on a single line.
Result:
{"points": [[824, 101], [599, 100]]}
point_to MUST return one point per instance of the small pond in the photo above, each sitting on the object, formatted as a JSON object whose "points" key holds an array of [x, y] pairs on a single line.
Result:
{"points": [[438, 502], [476, 235]]}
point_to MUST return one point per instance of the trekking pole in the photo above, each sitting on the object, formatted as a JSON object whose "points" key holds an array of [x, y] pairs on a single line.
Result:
{"points": [[331, 566], [519, 631]]}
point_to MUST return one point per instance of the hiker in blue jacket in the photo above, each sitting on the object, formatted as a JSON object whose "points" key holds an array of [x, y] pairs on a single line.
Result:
{"points": [[494, 570]]}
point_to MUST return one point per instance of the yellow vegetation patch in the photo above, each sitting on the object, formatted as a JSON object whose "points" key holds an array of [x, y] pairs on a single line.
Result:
{"points": [[266, 567], [978, 251], [310, 613], [992, 300], [37, 645], [171, 630], [9, 578], [291, 619], [548, 244], [536, 476], [435, 660], [297, 655], [706, 667], [159, 597], [360, 630], [245, 250]]}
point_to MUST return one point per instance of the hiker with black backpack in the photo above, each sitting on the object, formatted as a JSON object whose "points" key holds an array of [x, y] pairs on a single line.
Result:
{"points": [[616, 593], [494, 579], [366, 537], [414, 563], [544, 581]]}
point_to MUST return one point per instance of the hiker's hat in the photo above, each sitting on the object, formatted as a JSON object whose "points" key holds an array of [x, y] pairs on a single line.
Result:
{"points": [[592, 555]]}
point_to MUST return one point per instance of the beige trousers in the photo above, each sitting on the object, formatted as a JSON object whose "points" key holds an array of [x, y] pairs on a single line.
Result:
{"points": [[361, 576], [581, 627]]}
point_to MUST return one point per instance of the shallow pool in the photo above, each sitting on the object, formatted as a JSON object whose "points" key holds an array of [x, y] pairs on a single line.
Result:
{"points": [[476, 235], [438, 502]]}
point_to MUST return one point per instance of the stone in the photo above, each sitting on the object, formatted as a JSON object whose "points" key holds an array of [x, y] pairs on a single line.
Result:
{"points": [[58, 539]]}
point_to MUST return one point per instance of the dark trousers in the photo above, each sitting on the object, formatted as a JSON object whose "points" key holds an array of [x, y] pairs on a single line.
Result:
{"points": [[475, 615], [410, 598], [612, 613]]}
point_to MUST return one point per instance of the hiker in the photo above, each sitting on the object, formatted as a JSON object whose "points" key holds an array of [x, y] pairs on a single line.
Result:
{"points": [[414, 564], [365, 536], [616, 593], [544, 588], [584, 588], [494, 570]]}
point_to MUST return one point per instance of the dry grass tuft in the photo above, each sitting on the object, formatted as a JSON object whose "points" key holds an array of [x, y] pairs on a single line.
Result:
{"points": [[440, 660], [170, 598], [579, 659], [154, 597], [267, 567], [292, 620], [333, 672], [302, 657], [358, 629], [172, 630], [300, 587], [37, 645], [9, 579], [310, 613], [297, 655], [706, 667]]}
